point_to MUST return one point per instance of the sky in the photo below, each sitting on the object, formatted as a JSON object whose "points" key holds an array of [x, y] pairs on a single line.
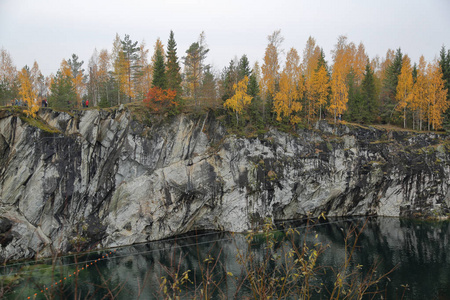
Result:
{"points": [[48, 31]]}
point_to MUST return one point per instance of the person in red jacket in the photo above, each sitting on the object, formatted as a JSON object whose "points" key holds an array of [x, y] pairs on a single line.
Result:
{"points": [[87, 103]]}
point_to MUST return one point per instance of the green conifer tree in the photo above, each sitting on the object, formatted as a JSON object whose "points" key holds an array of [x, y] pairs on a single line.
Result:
{"points": [[369, 96], [243, 68], [387, 109], [173, 68], [159, 71]]}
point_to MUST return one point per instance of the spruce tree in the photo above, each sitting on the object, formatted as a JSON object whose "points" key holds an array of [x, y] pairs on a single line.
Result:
{"points": [[253, 86], [414, 73], [208, 88], [173, 68], [387, 108], [159, 71], [63, 95], [444, 63], [243, 68], [354, 111], [369, 96], [229, 78]]}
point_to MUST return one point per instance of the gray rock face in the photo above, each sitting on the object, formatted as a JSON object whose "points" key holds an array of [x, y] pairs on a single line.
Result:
{"points": [[106, 180]]}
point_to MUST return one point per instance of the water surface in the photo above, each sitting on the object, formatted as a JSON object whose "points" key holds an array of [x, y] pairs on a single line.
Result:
{"points": [[418, 251]]}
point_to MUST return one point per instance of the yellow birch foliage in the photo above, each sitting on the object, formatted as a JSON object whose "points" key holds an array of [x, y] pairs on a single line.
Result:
{"points": [[158, 46], [120, 68], [320, 84], [360, 62], [419, 92], [270, 70], [311, 55], [339, 98], [103, 65], [287, 100], [66, 71], [343, 56], [79, 86], [241, 99], [387, 61], [27, 93], [404, 87], [437, 96]]}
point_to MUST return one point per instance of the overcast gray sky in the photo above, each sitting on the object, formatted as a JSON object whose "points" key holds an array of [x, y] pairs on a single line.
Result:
{"points": [[51, 30]]}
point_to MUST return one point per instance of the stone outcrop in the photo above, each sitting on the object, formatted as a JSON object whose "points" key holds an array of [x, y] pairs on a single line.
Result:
{"points": [[103, 179]]}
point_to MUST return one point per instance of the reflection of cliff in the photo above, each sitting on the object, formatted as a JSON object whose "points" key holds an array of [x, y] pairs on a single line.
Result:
{"points": [[419, 250], [384, 240], [115, 181]]}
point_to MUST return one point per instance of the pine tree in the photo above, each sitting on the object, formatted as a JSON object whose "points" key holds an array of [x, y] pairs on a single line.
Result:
{"points": [[173, 68], [194, 66], [130, 52]]}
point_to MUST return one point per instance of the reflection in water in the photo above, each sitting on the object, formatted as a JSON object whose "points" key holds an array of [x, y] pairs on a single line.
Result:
{"points": [[419, 249]]}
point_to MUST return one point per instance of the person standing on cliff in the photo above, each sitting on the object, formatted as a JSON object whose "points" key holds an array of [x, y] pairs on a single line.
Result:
{"points": [[87, 103]]}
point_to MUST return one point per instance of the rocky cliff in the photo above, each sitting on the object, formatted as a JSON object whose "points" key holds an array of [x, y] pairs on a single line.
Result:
{"points": [[103, 179]]}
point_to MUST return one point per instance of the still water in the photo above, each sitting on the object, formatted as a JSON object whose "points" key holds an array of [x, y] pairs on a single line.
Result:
{"points": [[418, 252]]}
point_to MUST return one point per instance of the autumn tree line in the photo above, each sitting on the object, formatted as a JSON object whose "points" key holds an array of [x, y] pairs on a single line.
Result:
{"points": [[285, 88]]}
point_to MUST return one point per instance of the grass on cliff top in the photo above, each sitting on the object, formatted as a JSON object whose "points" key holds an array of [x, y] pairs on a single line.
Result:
{"points": [[35, 122], [39, 123]]}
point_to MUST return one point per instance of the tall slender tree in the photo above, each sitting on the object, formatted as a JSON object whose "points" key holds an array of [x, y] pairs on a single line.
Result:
{"points": [[287, 100], [437, 96], [419, 95], [27, 92], [240, 100], [194, 66], [243, 67], [159, 68], [270, 69], [208, 87], [8, 75], [173, 67], [63, 94], [404, 87], [369, 93], [77, 77], [132, 69], [143, 81], [319, 88]]}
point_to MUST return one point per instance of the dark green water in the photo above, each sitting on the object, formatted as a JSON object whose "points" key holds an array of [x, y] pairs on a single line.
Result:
{"points": [[419, 250]]}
